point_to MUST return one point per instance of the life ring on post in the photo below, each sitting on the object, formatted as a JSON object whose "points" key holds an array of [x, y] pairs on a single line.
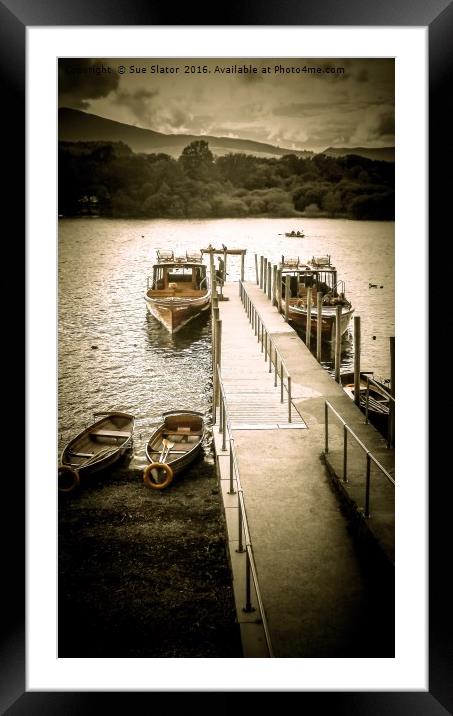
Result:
{"points": [[68, 479], [148, 477]]}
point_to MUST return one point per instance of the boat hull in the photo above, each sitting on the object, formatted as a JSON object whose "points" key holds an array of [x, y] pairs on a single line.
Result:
{"points": [[174, 313], [328, 322]]}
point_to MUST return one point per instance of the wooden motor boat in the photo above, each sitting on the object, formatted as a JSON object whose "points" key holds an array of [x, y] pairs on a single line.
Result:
{"points": [[378, 400], [320, 276], [178, 289], [96, 448], [175, 443]]}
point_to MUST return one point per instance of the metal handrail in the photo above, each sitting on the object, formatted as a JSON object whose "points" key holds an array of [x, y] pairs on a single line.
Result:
{"points": [[369, 456], [243, 530], [267, 346]]}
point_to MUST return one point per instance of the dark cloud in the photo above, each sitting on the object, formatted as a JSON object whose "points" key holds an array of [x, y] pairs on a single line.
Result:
{"points": [[81, 80], [137, 101]]}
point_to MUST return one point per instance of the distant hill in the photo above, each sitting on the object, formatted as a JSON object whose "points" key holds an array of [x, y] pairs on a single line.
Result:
{"points": [[383, 154], [76, 126]]}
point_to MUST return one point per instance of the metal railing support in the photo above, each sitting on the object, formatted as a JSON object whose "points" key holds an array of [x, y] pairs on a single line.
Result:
{"points": [[231, 491], [345, 453], [368, 485]]}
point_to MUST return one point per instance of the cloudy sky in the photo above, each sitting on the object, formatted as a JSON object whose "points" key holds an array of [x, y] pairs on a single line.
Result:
{"points": [[295, 109]]}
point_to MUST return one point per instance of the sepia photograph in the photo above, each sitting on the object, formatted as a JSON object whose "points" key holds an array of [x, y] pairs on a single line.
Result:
{"points": [[226, 357]]}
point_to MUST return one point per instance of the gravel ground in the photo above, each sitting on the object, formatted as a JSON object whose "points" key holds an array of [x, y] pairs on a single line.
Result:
{"points": [[145, 573]]}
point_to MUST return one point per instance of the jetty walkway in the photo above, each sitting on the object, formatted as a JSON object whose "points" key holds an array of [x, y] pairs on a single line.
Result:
{"points": [[319, 594]]}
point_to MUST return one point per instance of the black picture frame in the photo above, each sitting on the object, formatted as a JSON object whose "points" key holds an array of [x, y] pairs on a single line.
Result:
{"points": [[15, 17]]}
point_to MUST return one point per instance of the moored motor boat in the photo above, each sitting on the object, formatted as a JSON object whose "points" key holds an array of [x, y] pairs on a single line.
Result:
{"points": [[174, 445], [320, 276], [96, 448], [178, 289]]}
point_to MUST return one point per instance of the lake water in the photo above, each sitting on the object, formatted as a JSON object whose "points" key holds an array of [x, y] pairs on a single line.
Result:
{"points": [[114, 355]]}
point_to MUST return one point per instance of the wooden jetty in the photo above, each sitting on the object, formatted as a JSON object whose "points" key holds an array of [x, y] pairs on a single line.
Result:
{"points": [[299, 583]]}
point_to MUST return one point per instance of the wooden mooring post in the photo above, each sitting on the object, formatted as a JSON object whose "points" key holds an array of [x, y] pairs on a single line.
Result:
{"points": [[274, 285], [287, 296], [269, 280], [337, 343], [357, 360], [261, 271], [319, 326], [265, 276], [256, 270], [308, 324]]}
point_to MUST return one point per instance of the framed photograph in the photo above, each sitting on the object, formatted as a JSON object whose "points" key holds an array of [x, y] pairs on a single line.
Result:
{"points": [[80, 79]]}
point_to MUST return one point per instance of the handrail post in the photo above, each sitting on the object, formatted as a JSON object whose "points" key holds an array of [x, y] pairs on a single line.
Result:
{"points": [[248, 602], [231, 490], [345, 453], [270, 354], [326, 424], [221, 425], [265, 347], [289, 398], [240, 545], [281, 380], [276, 368], [224, 426], [262, 336], [368, 481]]}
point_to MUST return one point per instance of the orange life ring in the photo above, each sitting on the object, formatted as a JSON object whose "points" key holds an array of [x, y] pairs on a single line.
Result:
{"points": [[68, 479], [148, 479]]}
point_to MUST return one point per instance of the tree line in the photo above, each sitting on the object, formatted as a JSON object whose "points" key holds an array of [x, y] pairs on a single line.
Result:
{"points": [[108, 179]]}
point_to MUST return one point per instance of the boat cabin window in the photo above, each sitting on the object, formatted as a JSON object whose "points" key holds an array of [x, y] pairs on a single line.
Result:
{"points": [[188, 275]]}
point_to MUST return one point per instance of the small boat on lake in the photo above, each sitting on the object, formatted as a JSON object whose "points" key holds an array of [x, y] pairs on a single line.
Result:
{"points": [[96, 448], [175, 443], [320, 276], [295, 234], [378, 398], [178, 289]]}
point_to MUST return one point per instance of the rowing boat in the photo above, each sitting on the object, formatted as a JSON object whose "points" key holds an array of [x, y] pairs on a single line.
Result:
{"points": [[174, 445], [96, 448]]}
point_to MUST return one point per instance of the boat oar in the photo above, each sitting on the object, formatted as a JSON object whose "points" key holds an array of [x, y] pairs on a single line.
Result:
{"points": [[167, 446]]}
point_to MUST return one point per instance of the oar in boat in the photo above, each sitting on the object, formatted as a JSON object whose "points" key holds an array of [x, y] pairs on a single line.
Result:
{"points": [[166, 447]]}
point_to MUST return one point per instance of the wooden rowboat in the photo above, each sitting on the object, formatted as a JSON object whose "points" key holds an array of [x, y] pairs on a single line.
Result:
{"points": [[378, 400], [96, 448], [175, 443]]}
